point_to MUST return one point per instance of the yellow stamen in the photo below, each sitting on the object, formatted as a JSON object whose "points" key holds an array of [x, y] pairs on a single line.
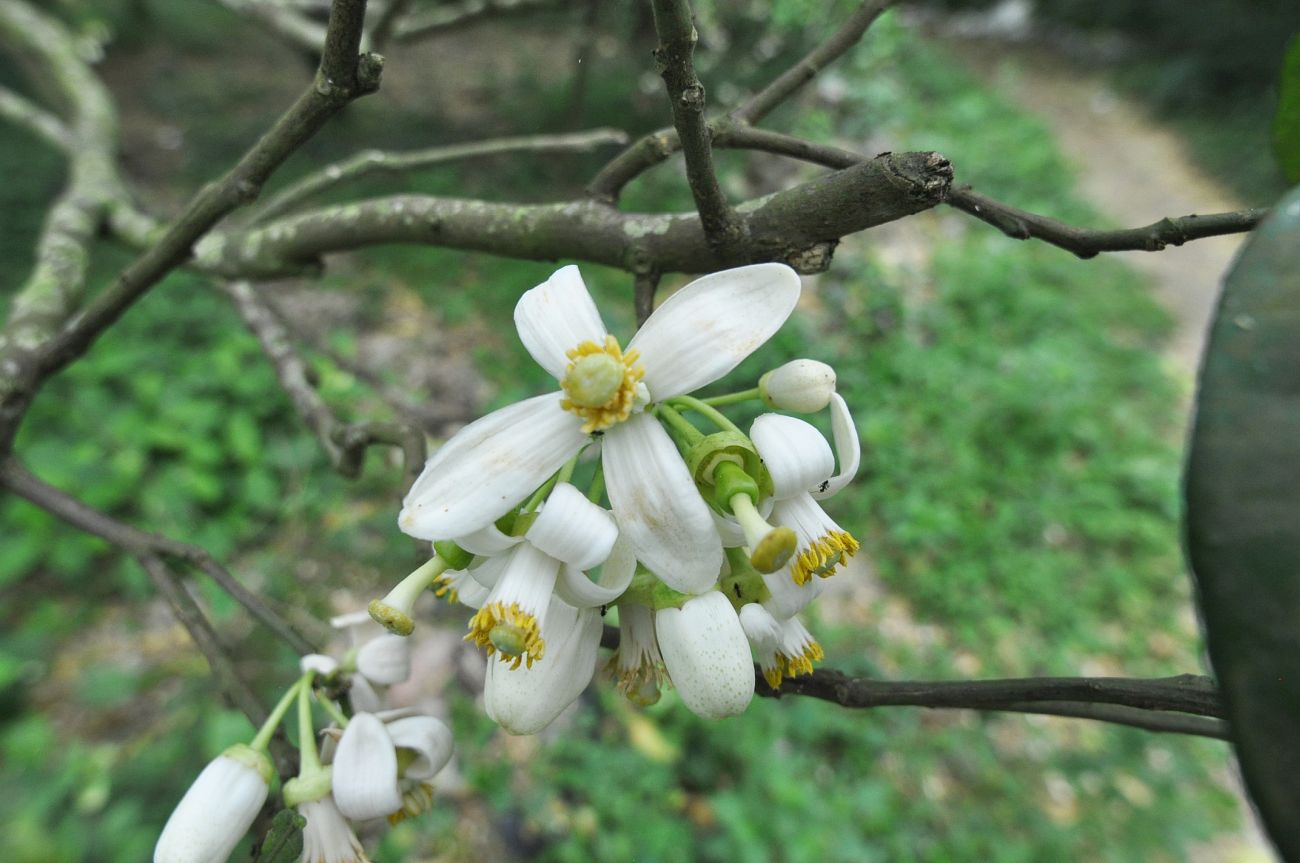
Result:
{"points": [[823, 556], [582, 388], [414, 801], [640, 683], [508, 630], [789, 667], [443, 590]]}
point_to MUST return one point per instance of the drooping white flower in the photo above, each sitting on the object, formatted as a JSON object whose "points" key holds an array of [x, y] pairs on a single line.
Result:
{"points": [[785, 648], [327, 837], [377, 657], [694, 338], [371, 781], [706, 655], [570, 534], [526, 700], [637, 665], [218, 808], [800, 462]]}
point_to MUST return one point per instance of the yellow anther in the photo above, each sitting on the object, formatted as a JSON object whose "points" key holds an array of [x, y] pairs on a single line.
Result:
{"points": [[823, 556], [509, 631], [600, 383]]}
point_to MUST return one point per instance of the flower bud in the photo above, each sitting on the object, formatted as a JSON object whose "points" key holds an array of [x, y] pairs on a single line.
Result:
{"points": [[707, 655], [218, 809], [803, 386]]}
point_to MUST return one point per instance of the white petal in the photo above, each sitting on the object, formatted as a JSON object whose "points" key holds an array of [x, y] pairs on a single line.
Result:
{"points": [[319, 663], [557, 316], [429, 738], [214, 814], [527, 581], [487, 541], [796, 454], [731, 533], [575, 588], [573, 529], [365, 770], [761, 628], [385, 659], [327, 836], [704, 330], [787, 598], [487, 571], [659, 511], [848, 449], [363, 696], [526, 700], [707, 655], [490, 466]]}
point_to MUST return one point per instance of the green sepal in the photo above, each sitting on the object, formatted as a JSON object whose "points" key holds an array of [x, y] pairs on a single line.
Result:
{"points": [[308, 786], [719, 448], [647, 589], [283, 841], [455, 556], [744, 584]]}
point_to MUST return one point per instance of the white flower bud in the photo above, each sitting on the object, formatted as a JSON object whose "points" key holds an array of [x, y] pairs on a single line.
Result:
{"points": [[385, 659], [217, 810], [804, 386], [707, 655]]}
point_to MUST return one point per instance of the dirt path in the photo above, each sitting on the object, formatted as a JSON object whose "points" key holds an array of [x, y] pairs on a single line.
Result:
{"points": [[1132, 170]]}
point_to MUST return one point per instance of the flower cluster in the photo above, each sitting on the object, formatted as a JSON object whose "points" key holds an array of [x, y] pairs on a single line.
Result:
{"points": [[712, 540], [375, 763]]}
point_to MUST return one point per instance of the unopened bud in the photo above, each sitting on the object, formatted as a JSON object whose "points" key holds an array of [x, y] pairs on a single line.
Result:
{"points": [[803, 386]]}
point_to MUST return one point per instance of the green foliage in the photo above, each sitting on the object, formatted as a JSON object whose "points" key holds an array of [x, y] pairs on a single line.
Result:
{"points": [[1286, 124]]}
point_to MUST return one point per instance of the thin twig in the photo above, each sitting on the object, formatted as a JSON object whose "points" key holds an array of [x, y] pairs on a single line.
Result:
{"points": [[387, 19], [850, 32], [370, 162], [22, 482], [1087, 243], [645, 286], [344, 444], [343, 76], [35, 119], [297, 31], [441, 21], [723, 227]]}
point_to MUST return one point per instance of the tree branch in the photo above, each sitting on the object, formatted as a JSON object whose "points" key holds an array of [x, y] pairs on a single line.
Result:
{"points": [[1087, 243], [342, 77], [657, 146], [788, 83], [799, 226], [35, 119], [345, 444], [141, 544], [291, 28], [387, 19], [370, 162], [645, 286], [724, 229], [438, 22]]}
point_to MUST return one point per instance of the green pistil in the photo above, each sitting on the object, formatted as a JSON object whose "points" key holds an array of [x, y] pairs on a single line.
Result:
{"points": [[770, 547], [393, 612], [593, 381]]}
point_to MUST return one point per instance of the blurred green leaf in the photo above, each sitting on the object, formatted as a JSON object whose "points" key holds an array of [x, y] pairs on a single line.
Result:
{"points": [[1286, 123]]}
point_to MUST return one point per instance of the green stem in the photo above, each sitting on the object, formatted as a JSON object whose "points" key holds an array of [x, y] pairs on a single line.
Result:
{"points": [[678, 423], [564, 474], [310, 758], [715, 415], [335, 713], [263, 738], [733, 398], [597, 485]]}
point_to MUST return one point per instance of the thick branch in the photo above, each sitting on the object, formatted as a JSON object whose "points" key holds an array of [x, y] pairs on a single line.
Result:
{"points": [[370, 162], [799, 226], [342, 77], [344, 444], [764, 101], [141, 544], [644, 288], [723, 227], [1087, 243]]}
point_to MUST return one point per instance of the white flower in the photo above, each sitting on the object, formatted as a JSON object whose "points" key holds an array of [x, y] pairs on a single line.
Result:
{"points": [[526, 700], [803, 386], [378, 658], [637, 664], [707, 656], [327, 836], [694, 338], [367, 780], [570, 534], [785, 648], [800, 462], [218, 808]]}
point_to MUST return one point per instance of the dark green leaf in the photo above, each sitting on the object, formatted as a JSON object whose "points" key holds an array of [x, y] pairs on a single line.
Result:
{"points": [[283, 842], [1243, 513], [1286, 123]]}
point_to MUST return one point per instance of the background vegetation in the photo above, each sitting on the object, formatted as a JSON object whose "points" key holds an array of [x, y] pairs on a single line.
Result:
{"points": [[1018, 503]]}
